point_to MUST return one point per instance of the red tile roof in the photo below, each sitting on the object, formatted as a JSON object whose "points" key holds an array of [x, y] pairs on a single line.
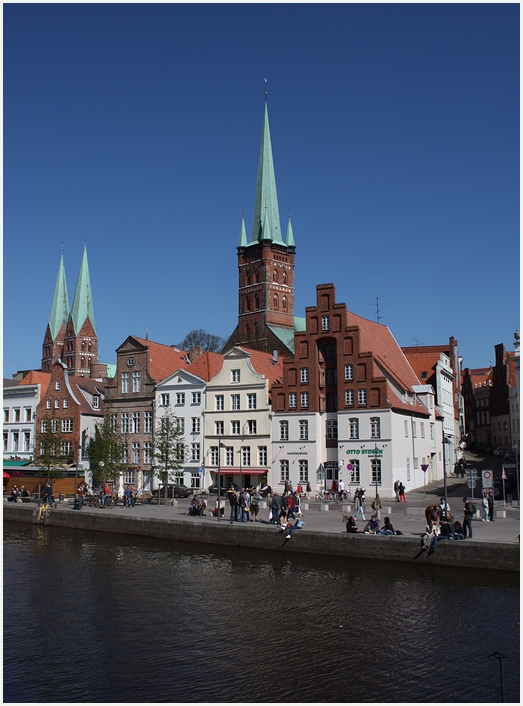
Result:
{"points": [[164, 360], [34, 377], [93, 387], [378, 340], [263, 364], [207, 365]]}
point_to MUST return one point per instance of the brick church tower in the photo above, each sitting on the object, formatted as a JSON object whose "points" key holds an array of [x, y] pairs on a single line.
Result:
{"points": [[71, 335], [266, 318]]}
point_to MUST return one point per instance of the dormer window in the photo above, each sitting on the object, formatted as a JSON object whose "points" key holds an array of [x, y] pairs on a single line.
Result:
{"points": [[57, 385], [96, 402]]}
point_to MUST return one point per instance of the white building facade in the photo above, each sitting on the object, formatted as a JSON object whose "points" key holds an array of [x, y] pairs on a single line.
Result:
{"points": [[238, 429], [20, 402]]}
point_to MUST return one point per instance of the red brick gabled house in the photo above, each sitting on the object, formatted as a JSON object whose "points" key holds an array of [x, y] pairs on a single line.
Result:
{"points": [[350, 406], [75, 404]]}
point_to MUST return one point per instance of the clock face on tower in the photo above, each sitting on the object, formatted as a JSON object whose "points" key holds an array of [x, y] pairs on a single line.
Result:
{"points": [[130, 362]]}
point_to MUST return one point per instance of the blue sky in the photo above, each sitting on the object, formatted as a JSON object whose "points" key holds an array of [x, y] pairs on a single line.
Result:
{"points": [[395, 135]]}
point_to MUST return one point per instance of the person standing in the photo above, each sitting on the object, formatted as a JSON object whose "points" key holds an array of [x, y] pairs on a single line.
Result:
{"points": [[376, 506], [255, 505], [107, 493], [358, 503], [341, 489], [467, 519], [80, 497], [397, 490], [233, 502], [402, 492], [490, 507], [276, 506], [308, 490], [48, 492], [127, 497], [244, 505], [484, 503]]}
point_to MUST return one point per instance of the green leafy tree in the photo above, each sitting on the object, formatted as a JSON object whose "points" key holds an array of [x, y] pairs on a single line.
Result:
{"points": [[106, 451], [200, 337], [49, 452], [169, 449]]}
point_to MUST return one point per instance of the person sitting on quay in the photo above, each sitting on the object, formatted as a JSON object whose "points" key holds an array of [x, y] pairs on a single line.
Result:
{"points": [[372, 525], [24, 493], [299, 524], [430, 533], [458, 530], [351, 526], [387, 527], [283, 522]]}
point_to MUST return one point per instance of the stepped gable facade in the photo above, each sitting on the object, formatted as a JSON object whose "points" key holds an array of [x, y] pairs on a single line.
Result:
{"points": [[350, 406], [266, 318]]}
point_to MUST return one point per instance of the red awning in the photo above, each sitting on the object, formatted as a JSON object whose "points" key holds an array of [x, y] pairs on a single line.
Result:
{"points": [[6, 475], [245, 471]]}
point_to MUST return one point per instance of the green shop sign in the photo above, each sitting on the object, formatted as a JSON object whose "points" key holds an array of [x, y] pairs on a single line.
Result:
{"points": [[368, 452]]}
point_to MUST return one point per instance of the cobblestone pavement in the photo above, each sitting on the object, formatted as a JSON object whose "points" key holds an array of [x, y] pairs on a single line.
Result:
{"points": [[407, 517]]}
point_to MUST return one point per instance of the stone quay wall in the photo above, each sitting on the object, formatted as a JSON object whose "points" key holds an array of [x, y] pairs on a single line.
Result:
{"points": [[480, 555]]}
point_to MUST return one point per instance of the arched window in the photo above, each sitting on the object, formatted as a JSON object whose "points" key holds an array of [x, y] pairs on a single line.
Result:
{"points": [[257, 277], [256, 328], [284, 302], [257, 301], [248, 277], [284, 278], [275, 276], [248, 328], [248, 303], [275, 300]]}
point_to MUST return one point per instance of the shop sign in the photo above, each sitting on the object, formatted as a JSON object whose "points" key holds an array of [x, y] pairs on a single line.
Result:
{"points": [[367, 452]]}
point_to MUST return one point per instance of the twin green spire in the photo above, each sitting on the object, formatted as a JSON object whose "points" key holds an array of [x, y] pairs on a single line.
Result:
{"points": [[82, 308], [266, 221]]}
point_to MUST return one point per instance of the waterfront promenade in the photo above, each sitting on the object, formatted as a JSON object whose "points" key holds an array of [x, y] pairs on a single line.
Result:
{"points": [[495, 545]]}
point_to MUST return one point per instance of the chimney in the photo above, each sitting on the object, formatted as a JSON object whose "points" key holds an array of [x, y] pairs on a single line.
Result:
{"points": [[195, 352]]}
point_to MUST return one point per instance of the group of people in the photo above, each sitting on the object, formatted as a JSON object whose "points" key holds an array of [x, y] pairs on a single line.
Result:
{"points": [[197, 506], [399, 490], [441, 524], [372, 526], [245, 504]]}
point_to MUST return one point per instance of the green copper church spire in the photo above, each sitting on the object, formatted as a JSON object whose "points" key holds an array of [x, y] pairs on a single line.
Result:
{"points": [[60, 306], [243, 235], [290, 237], [82, 308], [266, 203]]}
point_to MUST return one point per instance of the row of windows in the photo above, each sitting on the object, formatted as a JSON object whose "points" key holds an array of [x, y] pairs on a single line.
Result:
{"points": [[67, 425], [244, 453], [415, 429], [349, 399], [17, 415], [131, 423], [275, 277], [331, 429], [165, 398], [65, 403], [15, 441], [303, 466], [275, 302], [219, 402]]}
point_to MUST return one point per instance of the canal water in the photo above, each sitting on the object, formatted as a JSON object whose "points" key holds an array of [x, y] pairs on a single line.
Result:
{"points": [[105, 618]]}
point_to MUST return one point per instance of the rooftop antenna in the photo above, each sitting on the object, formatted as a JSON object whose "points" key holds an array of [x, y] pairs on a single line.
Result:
{"points": [[378, 309], [417, 341]]}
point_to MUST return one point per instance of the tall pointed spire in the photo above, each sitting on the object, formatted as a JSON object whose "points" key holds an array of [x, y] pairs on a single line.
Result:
{"points": [[243, 235], [60, 306], [266, 203], [290, 237], [82, 308]]}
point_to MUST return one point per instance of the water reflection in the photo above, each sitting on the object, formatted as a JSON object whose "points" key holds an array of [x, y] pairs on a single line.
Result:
{"points": [[133, 619]]}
